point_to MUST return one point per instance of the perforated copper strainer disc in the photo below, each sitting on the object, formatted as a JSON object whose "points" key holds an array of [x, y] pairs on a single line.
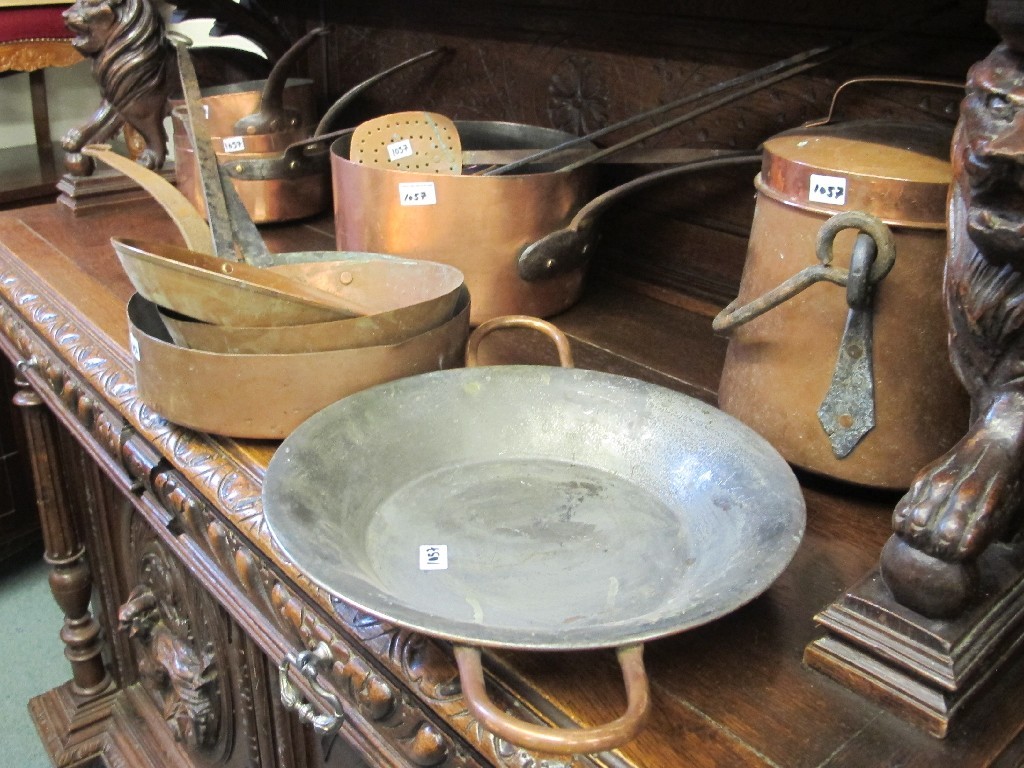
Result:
{"points": [[425, 142]]}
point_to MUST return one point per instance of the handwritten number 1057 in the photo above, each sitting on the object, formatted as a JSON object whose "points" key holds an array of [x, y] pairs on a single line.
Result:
{"points": [[832, 192]]}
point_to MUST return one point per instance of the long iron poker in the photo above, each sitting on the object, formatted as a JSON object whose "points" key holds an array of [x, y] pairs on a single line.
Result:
{"points": [[799, 63], [681, 102], [593, 157]]}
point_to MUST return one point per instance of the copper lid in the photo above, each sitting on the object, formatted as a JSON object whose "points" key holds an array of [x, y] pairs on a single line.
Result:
{"points": [[899, 172]]}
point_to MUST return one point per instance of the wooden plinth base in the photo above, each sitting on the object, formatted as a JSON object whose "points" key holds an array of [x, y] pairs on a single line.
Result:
{"points": [[925, 670], [103, 188], [73, 730], [117, 729]]}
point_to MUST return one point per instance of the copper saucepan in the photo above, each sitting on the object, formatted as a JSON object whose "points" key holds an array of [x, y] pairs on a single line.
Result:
{"points": [[478, 224], [276, 157]]}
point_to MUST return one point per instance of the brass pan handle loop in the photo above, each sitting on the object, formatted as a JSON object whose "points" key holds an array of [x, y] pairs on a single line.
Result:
{"points": [[736, 314], [310, 664], [563, 741], [560, 340]]}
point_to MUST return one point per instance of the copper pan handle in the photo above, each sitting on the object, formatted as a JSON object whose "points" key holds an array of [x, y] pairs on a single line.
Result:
{"points": [[568, 248], [562, 741], [519, 321]]}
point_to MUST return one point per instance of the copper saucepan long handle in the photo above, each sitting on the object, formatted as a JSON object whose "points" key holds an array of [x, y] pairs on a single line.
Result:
{"points": [[519, 321], [569, 247], [346, 98], [190, 223], [562, 741]]}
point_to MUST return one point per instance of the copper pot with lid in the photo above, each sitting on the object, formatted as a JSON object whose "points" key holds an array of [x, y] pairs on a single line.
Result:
{"points": [[837, 353]]}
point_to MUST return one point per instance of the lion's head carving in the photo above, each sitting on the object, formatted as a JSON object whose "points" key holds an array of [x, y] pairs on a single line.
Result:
{"points": [[132, 64], [125, 39]]}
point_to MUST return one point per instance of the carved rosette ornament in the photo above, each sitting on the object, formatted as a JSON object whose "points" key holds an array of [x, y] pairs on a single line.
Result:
{"points": [[973, 496], [177, 659], [577, 97]]}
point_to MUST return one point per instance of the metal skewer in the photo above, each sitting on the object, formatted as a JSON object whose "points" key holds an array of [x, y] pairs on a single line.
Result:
{"points": [[747, 77]]}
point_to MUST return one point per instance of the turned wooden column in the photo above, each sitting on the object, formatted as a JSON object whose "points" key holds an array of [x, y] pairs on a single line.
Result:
{"points": [[70, 580]]}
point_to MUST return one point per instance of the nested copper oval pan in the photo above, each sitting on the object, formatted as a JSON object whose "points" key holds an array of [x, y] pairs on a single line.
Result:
{"points": [[220, 291], [265, 396], [414, 297]]}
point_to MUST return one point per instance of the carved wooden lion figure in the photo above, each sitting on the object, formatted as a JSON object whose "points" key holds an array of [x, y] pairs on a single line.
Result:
{"points": [[133, 66], [973, 495]]}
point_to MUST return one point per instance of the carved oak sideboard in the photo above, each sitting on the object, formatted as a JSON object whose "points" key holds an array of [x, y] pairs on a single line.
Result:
{"points": [[180, 610]]}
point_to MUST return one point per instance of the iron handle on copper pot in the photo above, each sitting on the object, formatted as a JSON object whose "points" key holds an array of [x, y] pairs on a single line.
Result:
{"points": [[310, 665], [519, 321], [892, 80], [563, 741], [302, 158], [272, 115], [568, 248], [736, 313]]}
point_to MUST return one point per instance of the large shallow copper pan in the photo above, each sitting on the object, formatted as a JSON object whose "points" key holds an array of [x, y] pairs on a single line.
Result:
{"points": [[421, 294], [535, 507], [266, 396], [479, 224]]}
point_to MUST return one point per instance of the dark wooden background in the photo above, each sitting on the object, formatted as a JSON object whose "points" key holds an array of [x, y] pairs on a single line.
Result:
{"points": [[582, 65]]}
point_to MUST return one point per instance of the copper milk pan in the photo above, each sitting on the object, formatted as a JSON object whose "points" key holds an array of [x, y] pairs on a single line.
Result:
{"points": [[254, 119], [837, 351], [265, 396], [225, 105], [534, 507], [479, 224]]}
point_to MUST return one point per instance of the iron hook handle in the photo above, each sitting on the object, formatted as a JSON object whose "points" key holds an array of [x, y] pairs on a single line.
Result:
{"points": [[736, 313]]}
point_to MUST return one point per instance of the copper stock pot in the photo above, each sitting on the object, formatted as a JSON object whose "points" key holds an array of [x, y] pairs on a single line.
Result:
{"points": [[852, 381]]}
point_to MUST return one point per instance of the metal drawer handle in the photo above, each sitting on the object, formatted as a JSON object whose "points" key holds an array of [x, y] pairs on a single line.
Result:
{"points": [[311, 664]]}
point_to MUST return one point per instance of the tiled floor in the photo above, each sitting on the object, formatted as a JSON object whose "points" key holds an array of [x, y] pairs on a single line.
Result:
{"points": [[33, 658]]}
